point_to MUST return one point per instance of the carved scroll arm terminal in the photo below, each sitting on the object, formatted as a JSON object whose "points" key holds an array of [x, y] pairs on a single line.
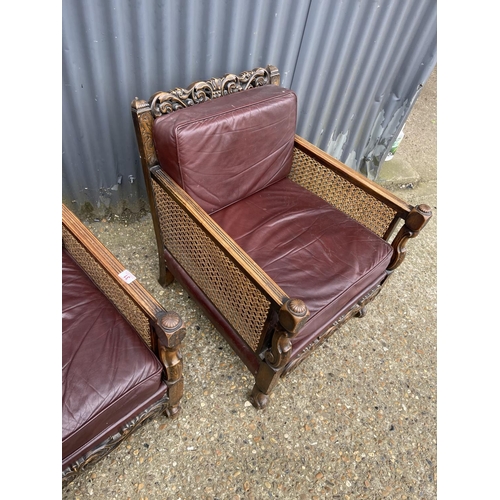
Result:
{"points": [[414, 223], [292, 317]]}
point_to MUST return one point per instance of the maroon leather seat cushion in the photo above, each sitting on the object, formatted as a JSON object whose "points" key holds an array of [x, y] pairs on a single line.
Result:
{"points": [[313, 251], [109, 375], [223, 150]]}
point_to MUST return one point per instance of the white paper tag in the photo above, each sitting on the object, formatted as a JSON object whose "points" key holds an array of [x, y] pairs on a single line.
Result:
{"points": [[127, 276]]}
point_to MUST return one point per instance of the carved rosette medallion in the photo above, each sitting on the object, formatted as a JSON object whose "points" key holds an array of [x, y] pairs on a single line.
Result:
{"points": [[170, 321], [297, 307]]}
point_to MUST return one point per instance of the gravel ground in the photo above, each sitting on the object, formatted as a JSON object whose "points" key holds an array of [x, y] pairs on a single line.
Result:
{"points": [[356, 420]]}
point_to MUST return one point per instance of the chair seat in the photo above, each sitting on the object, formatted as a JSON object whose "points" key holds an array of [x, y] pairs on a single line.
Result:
{"points": [[313, 251], [109, 375]]}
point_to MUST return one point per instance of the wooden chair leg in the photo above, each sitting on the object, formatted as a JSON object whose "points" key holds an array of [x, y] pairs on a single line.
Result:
{"points": [[258, 399], [169, 332], [361, 313], [172, 360], [166, 277], [266, 379], [292, 316]]}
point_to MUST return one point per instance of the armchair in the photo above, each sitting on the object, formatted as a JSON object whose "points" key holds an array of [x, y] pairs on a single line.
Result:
{"points": [[121, 363], [278, 242]]}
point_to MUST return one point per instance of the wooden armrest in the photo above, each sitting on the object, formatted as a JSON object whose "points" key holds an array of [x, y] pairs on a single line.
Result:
{"points": [[243, 292], [168, 326], [246, 264], [362, 199], [372, 188]]}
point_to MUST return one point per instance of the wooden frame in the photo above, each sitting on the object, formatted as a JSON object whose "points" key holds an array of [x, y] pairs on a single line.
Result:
{"points": [[163, 331], [268, 356]]}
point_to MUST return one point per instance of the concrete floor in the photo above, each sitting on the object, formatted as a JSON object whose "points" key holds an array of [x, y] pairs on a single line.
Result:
{"points": [[357, 420]]}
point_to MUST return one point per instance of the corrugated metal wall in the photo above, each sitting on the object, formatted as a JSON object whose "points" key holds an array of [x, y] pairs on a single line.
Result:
{"points": [[356, 66]]}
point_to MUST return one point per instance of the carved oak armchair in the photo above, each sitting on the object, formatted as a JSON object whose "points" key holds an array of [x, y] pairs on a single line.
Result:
{"points": [[121, 363], [277, 241]]}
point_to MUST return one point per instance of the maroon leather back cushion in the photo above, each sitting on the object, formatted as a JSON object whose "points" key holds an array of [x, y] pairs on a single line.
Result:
{"points": [[224, 150]]}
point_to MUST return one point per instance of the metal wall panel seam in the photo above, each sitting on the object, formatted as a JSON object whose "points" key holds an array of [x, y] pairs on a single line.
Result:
{"points": [[337, 56]]}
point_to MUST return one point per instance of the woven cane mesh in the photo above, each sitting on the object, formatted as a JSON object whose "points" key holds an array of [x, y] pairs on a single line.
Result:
{"points": [[226, 286], [129, 309], [340, 193]]}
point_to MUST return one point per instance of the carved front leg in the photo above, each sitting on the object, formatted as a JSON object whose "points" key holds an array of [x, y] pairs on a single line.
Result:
{"points": [[414, 223], [169, 332], [292, 317]]}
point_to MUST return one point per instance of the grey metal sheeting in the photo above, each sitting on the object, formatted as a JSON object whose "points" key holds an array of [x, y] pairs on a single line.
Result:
{"points": [[356, 66]]}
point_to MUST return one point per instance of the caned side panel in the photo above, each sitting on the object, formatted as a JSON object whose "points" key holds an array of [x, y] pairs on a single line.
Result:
{"points": [[107, 285], [243, 305], [339, 192]]}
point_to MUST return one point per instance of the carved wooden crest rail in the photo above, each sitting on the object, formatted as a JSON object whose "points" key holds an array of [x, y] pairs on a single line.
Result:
{"points": [[162, 103], [165, 102]]}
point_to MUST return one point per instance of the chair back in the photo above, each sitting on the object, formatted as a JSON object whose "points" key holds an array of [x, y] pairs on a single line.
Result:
{"points": [[227, 149]]}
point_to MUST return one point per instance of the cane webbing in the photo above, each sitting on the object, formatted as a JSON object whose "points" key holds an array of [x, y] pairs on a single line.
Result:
{"points": [[128, 308], [243, 305], [341, 193]]}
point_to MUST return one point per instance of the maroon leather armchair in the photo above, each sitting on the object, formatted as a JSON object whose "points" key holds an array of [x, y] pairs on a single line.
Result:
{"points": [[277, 241], [121, 363]]}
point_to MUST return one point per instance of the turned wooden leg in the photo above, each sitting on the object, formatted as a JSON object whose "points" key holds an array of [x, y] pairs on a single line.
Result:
{"points": [[172, 359], [266, 379], [170, 332], [258, 399], [292, 316]]}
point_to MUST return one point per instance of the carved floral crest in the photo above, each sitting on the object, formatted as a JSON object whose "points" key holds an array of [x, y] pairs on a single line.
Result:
{"points": [[163, 103]]}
